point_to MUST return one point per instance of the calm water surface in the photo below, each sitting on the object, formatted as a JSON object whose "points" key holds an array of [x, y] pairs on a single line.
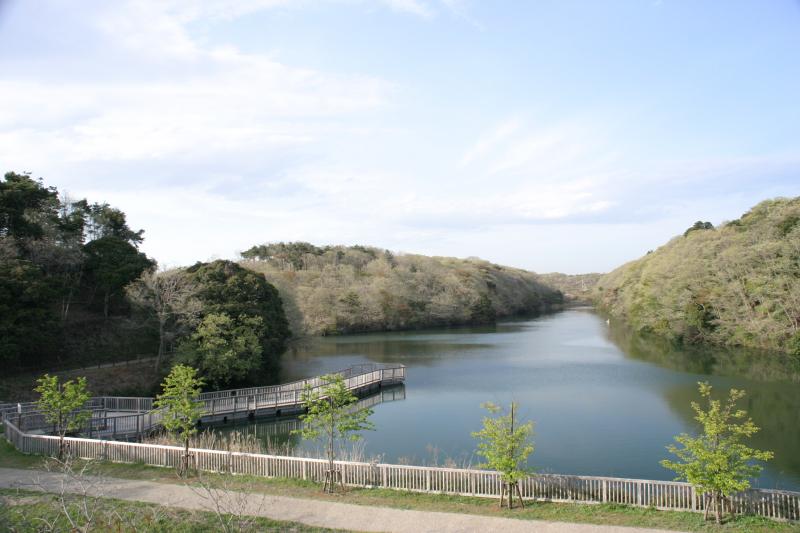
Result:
{"points": [[603, 402]]}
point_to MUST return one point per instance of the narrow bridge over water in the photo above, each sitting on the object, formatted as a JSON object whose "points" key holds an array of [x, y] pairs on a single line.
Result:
{"points": [[126, 418]]}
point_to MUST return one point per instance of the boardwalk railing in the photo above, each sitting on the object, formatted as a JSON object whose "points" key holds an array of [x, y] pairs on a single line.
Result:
{"points": [[666, 495], [125, 418]]}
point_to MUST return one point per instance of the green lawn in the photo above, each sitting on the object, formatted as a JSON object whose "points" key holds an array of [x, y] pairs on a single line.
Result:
{"points": [[594, 514]]}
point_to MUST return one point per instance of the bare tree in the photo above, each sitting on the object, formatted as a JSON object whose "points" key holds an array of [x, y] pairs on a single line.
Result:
{"points": [[170, 296], [80, 500], [235, 507], [77, 494]]}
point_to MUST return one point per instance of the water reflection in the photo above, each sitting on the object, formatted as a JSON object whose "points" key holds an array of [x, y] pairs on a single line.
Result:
{"points": [[697, 359], [774, 407], [277, 434]]}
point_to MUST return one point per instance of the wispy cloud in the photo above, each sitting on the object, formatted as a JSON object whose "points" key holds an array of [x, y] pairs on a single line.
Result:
{"points": [[415, 7]]}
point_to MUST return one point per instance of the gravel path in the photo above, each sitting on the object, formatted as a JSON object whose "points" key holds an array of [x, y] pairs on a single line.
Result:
{"points": [[311, 512]]}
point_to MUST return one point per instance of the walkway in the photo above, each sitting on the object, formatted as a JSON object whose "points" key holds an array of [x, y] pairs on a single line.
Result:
{"points": [[311, 512], [120, 418]]}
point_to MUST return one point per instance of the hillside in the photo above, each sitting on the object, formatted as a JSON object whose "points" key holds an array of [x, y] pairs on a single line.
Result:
{"points": [[735, 285], [337, 289], [577, 288]]}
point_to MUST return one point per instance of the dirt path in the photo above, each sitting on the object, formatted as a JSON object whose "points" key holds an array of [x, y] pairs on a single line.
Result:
{"points": [[310, 512]]}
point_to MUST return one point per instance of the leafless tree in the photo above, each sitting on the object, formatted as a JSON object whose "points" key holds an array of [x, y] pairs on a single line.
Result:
{"points": [[78, 494], [235, 507], [170, 296]]}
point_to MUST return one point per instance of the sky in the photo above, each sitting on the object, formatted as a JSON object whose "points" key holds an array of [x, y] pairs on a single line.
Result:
{"points": [[552, 135]]}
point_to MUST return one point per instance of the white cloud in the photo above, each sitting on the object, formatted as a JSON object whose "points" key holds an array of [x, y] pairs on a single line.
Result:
{"points": [[219, 100]]}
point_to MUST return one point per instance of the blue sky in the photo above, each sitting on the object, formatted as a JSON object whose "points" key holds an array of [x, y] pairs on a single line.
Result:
{"points": [[549, 135]]}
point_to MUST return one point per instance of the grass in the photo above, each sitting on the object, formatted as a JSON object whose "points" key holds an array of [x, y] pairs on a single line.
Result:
{"points": [[34, 511], [605, 514]]}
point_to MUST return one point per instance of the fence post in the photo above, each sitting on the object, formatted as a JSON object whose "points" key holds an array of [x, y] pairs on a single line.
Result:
{"points": [[384, 477], [428, 479], [605, 491], [694, 499]]}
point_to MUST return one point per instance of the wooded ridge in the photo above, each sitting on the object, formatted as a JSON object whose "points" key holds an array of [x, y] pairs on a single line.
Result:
{"points": [[338, 289], [734, 285]]}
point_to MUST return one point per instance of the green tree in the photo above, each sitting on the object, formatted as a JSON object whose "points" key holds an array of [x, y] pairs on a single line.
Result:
{"points": [[505, 445], [25, 205], [29, 326], [179, 406], [62, 405], [224, 348], [717, 463], [112, 263], [224, 287], [106, 221], [699, 225], [332, 417]]}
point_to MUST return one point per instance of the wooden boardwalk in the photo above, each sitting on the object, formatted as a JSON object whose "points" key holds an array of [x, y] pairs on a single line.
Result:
{"points": [[129, 418]]}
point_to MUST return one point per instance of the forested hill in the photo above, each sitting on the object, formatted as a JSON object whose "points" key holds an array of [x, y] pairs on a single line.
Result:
{"points": [[64, 265], [336, 289], [738, 284], [577, 288], [76, 291]]}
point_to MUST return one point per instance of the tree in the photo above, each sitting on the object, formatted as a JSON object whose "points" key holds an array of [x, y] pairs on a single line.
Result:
{"points": [[716, 463], [226, 288], [332, 417], [29, 326], [171, 297], [506, 446], [62, 405], [106, 221], [25, 204], [224, 348], [112, 263], [699, 225], [179, 406]]}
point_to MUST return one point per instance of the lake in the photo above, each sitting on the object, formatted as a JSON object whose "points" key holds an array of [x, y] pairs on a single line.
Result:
{"points": [[604, 401]]}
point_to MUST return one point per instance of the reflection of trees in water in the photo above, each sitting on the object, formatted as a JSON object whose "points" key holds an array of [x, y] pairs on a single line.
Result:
{"points": [[390, 350], [277, 433], [424, 347], [700, 359], [774, 407], [773, 397]]}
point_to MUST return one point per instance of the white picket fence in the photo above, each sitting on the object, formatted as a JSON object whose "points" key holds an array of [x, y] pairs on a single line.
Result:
{"points": [[665, 495]]}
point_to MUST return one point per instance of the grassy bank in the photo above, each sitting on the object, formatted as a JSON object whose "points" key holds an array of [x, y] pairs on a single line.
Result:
{"points": [[619, 515]]}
